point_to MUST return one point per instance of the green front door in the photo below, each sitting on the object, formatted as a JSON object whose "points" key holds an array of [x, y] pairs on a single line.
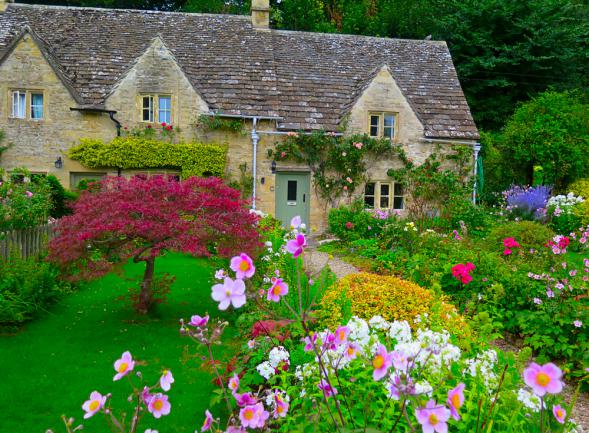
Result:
{"points": [[292, 196]]}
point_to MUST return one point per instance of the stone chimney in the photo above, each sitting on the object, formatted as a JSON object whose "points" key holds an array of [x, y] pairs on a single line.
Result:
{"points": [[260, 14]]}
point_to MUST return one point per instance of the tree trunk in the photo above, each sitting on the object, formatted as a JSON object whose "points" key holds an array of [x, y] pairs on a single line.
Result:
{"points": [[144, 302]]}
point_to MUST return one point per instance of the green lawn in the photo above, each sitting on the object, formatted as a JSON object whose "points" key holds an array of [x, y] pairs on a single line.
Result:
{"points": [[52, 365]]}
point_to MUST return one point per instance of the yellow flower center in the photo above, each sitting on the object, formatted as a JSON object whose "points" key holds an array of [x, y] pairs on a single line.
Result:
{"points": [[559, 413], [277, 290], [248, 414], [228, 292], [455, 401], [351, 351], [542, 379], [279, 409], [244, 266], [341, 334], [94, 405], [378, 361], [123, 367], [433, 419], [158, 404]]}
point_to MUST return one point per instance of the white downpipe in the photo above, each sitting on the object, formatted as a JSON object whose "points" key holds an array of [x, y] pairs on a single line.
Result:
{"points": [[255, 139], [476, 149]]}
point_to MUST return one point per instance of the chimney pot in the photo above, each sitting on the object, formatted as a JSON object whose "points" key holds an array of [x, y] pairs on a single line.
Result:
{"points": [[260, 14]]}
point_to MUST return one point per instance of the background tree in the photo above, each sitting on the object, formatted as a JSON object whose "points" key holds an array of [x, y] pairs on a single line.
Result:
{"points": [[140, 219]]}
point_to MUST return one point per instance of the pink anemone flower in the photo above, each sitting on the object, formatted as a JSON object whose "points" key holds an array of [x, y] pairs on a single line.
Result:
{"points": [[327, 389], [295, 222], [543, 378], [559, 413], [229, 293], [159, 405], [198, 321], [433, 418], [351, 351], [245, 399], [279, 288], [253, 416], [456, 400], [166, 380], [341, 335], [295, 246], [243, 266], [206, 425], [310, 342], [94, 404], [123, 365], [381, 362], [234, 383]]}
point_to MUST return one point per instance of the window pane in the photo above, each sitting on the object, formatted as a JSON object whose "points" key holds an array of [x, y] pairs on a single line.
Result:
{"points": [[164, 109], [389, 120], [36, 106], [398, 203], [374, 120], [384, 202], [399, 189], [369, 189], [291, 194], [19, 104], [147, 109], [385, 189], [374, 131], [374, 123], [388, 132], [369, 201]]}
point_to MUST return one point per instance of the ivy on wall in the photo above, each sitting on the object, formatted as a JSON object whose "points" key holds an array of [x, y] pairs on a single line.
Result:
{"points": [[338, 163], [194, 159], [218, 123]]}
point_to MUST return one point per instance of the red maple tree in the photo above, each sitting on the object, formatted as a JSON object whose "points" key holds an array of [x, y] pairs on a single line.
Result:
{"points": [[119, 219]]}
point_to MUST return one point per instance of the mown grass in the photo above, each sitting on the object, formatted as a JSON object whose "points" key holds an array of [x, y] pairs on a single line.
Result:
{"points": [[50, 367]]}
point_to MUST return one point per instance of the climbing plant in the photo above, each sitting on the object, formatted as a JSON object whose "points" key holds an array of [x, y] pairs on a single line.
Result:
{"points": [[211, 123], [194, 159], [338, 163]]}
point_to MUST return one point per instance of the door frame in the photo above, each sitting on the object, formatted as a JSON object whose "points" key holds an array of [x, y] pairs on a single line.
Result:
{"points": [[307, 173]]}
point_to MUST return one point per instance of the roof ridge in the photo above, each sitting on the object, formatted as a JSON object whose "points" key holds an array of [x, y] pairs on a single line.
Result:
{"points": [[142, 11], [353, 36]]}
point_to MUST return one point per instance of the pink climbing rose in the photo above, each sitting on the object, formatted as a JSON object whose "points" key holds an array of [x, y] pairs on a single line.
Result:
{"points": [[243, 266], [94, 404], [159, 405], [123, 365], [433, 418], [231, 292], [543, 378]]}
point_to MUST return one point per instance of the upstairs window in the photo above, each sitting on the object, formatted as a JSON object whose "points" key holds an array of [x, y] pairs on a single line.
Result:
{"points": [[156, 109], [19, 101], [384, 195], [382, 125]]}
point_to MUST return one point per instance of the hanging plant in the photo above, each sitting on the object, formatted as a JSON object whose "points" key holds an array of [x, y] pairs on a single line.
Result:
{"points": [[338, 163]]}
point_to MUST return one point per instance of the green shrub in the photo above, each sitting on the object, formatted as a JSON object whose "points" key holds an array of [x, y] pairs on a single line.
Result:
{"points": [[350, 223], [27, 288], [23, 204], [59, 197], [528, 234], [194, 159]]}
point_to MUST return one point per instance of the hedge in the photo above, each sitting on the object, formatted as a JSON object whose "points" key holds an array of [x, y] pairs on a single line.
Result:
{"points": [[194, 159]]}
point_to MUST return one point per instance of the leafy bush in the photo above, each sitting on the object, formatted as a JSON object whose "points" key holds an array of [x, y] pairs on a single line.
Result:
{"points": [[562, 215], [350, 223], [23, 204], [368, 295], [529, 234], [194, 159], [27, 288], [59, 197]]}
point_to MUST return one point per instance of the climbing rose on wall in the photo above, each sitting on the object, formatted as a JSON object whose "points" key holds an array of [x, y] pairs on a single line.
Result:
{"points": [[142, 218]]}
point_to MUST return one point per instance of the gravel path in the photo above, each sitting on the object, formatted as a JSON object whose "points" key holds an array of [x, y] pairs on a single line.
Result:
{"points": [[315, 261]]}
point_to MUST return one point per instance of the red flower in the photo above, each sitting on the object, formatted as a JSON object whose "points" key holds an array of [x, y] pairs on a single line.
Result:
{"points": [[462, 272], [168, 128], [149, 126], [349, 225], [164, 124]]}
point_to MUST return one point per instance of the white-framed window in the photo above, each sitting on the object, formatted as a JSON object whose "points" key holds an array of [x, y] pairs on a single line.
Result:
{"points": [[20, 99], [156, 109], [382, 125], [19, 104], [384, 195]]}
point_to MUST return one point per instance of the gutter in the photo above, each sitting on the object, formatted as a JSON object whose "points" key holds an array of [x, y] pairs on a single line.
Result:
{"points": [[100, 109]]}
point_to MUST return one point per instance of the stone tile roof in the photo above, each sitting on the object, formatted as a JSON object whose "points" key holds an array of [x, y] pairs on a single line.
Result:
{"points": [[311, 80]]}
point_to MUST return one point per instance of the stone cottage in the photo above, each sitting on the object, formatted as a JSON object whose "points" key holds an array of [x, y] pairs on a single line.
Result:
{"points": [[71, 73]]}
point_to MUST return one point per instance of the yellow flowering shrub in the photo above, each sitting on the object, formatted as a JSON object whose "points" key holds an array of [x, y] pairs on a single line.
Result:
{"points": [[367, 295]]}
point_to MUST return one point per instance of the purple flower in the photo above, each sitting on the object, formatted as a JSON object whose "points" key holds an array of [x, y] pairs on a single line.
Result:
{"points": [[528, 202], [230, 292], [327, 389], [433, 418], [295, 246], [198, 321]]}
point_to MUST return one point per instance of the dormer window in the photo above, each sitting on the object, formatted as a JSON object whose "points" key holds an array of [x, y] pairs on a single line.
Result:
{"points": [[23, 99], [382, 125], [156, 108]]}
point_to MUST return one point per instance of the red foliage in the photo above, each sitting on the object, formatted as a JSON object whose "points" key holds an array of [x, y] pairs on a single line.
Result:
{"points": [[142, 218], [271, 328]]}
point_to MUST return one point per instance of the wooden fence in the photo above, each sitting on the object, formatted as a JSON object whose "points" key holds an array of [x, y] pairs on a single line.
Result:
{"points": [[25, 243]]}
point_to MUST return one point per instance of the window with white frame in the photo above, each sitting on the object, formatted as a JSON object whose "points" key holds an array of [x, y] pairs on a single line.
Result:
{"points": [[384, 195], [382, 125], [156, 109], [20, 99]]}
